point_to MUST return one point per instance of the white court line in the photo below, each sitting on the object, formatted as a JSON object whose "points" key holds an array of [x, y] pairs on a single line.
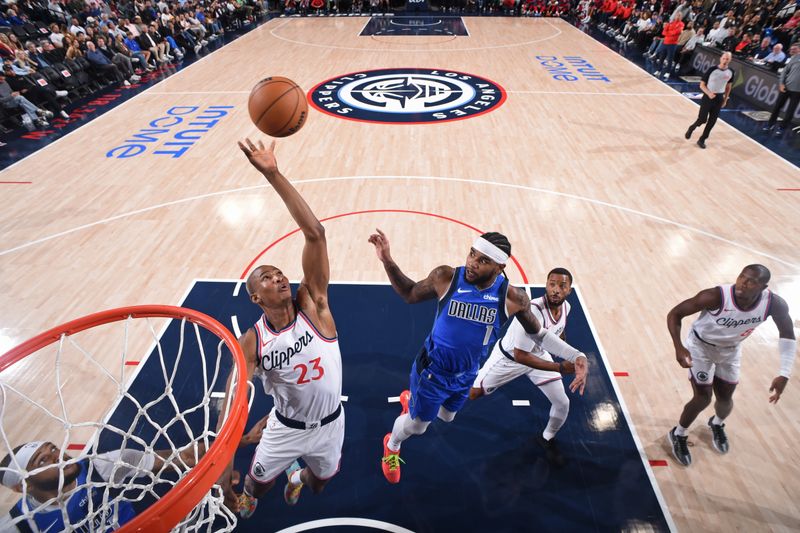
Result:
{"points": [[366, 523], [393, 399], [424, 50], [521, 403], [235, 324], [693, 103], [645, 461], [579, 93], [415, 178], [345, 398]]}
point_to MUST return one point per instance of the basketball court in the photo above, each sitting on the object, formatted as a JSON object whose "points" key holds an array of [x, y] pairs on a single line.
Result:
{"points": [[433, 129]]}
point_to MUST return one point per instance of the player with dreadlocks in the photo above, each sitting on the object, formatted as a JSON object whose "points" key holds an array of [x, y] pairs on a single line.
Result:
{"points": [[475, 301]]}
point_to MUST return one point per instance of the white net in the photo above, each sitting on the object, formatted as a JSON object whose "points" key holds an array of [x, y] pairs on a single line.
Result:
{"points": [[92, 468]]}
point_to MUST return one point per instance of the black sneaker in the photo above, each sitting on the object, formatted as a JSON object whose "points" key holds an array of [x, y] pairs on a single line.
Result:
{"points": [[552, 452], [767, 128], [689, 132], [720, 440], [680, 447], [701, 143]]}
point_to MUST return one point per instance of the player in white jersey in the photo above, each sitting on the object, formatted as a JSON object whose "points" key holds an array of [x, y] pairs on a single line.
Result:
{"points": [[712, 351], [516, 354], [294, 351]]}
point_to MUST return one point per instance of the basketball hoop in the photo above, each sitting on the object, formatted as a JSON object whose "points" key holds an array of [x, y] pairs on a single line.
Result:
{"points": [[192, 501]]}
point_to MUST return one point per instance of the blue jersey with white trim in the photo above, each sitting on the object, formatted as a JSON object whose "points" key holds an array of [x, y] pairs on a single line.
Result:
{"points": [[78, 508], [467, 324]]}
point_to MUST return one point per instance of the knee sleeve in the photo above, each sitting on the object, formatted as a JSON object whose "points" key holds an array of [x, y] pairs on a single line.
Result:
{"points": [[445, 415]]}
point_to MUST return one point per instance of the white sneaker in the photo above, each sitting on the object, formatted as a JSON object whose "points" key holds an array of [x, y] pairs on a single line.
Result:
{"points": [[64, 115], [135, 78], [666, 76], [657, 73], [27, 122], [126, 83], [45, 113], [61, 93]]}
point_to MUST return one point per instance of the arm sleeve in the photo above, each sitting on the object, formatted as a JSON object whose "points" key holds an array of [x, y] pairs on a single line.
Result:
{"points": [[123, 464], [552, 344], [787, 349]]}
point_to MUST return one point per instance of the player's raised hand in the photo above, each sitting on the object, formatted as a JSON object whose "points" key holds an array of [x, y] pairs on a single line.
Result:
{"points": [[260, 157], [778, 384], [581, 373], [381, 243], [683, 357]]}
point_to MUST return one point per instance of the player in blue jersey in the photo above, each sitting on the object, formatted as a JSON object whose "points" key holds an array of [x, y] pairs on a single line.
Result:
{"points": [[475, 301], [47, 498]]}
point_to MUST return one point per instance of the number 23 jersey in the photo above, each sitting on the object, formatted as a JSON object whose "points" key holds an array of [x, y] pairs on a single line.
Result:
{"points": [[300, 368]]}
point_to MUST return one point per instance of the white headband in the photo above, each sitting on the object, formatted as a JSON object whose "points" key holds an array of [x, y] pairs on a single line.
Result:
{"points": [[490, 250], [13, 477]]}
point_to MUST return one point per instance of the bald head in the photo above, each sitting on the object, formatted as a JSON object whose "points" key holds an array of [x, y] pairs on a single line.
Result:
{"points": [[761, 272]]}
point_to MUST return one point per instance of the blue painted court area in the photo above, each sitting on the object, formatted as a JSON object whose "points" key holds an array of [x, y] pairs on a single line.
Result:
{"points": [[483, 472], [422, 25]]}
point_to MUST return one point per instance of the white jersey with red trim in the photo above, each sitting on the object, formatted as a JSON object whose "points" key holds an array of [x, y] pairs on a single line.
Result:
{"points": [[300, 368], [729, 325], [516, 337], [542, 312]]}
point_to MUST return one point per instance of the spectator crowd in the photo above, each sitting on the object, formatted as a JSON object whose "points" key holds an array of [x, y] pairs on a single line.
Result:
{"points": [[57, 51], [667, 31]]}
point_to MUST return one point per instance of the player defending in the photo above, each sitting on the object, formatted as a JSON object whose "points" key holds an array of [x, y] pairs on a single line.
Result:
{"points": [[294, 350], [474, 302], [728, 315], [516, 354]]}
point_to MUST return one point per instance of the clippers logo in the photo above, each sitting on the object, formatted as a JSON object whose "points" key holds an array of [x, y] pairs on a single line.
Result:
{"points": [[702, 376], [407, 96]]}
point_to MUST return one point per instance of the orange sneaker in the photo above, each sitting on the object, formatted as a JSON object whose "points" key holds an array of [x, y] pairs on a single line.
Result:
{"points": [[390, 462], [291, 493], [405, 396]]}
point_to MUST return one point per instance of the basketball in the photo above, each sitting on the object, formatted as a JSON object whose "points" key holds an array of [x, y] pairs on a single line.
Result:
{"points": [[278, 106]]}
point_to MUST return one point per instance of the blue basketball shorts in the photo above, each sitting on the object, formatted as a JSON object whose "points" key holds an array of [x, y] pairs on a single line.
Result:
{"points": [[431, 389]]}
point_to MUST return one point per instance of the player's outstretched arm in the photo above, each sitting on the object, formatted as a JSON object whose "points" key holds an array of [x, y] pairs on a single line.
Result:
{"points": [[316, 269], [434, 286], [787, 345], [706, 299]]}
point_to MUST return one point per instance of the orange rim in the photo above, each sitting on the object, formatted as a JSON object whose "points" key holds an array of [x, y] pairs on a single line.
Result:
{"points": [[178, 502]]}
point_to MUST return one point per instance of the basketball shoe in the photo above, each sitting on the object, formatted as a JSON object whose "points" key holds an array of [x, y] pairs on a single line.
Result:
{"points": [[247, 505], [720, 440], [390, 462], [680, 447], [291, 493], [405, 396]]}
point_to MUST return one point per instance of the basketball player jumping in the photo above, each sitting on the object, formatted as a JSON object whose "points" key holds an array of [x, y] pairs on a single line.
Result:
{"points": [[712, 353], [293, 349], [515, 355], [474, 302]]}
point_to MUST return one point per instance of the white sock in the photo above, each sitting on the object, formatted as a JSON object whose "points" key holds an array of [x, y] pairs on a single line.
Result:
{"points": [[717, 421], [681, 431], [295, 479], [404, 427]]}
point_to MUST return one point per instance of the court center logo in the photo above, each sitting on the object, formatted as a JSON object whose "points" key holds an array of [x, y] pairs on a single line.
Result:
{"points": [[407, 96]]}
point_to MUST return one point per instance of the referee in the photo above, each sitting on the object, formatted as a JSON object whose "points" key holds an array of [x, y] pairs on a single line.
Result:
{"points": [[716, 87]]}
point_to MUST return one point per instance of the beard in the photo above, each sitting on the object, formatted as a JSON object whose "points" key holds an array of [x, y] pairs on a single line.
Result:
{"points": [[69, 477]]}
